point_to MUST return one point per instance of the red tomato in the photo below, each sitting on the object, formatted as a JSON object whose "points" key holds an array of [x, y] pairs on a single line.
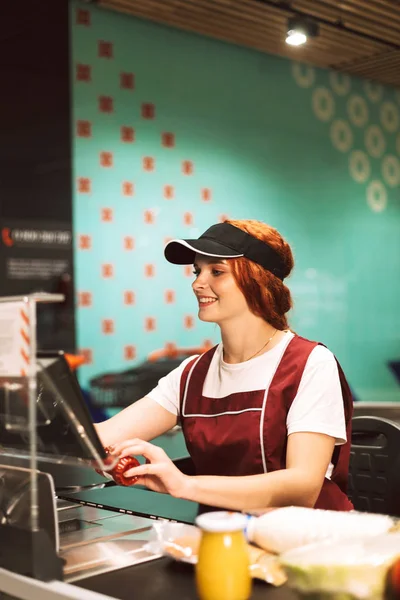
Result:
{"points": [[124, 464]]}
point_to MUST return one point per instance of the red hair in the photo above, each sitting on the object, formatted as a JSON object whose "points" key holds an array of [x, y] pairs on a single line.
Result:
{"points": [[266, 295]]}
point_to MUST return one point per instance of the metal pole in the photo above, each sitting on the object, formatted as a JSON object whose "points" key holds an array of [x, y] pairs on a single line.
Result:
{"points": [[32, 398]]}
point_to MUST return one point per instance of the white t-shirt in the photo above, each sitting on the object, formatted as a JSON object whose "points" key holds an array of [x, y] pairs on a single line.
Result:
{"points": [[318, 406]]}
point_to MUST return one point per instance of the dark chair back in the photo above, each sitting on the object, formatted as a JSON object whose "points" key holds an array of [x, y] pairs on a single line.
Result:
{"points": [[374, 475]]}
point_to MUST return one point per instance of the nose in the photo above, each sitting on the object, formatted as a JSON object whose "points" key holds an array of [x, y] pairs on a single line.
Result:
{"points": [[200, 282]]}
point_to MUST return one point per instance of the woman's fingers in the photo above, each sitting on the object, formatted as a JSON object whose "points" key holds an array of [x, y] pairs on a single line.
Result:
{"points": [[140, 448], [146, 469], [121, 446], [157, 473]]}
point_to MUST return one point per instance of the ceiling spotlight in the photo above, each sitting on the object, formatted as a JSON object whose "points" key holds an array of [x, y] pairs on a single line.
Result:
{"points": [[299, 30]]}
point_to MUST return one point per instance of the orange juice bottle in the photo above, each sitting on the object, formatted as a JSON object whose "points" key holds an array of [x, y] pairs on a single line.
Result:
{"points": [[222, 570]]}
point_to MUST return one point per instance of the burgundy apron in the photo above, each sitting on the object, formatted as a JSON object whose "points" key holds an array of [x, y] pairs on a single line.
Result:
{"points": [[245, 433]]}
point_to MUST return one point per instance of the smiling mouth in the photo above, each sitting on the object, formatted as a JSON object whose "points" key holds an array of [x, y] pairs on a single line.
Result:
{"points": [[206, 302]]}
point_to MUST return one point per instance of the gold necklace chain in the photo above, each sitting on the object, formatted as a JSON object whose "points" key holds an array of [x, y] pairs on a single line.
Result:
{"points": [[265, 345], [260, 350]]}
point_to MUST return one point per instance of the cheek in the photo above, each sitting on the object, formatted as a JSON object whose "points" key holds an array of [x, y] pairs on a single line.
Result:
{"points": [[230, 292], [240, 301]]}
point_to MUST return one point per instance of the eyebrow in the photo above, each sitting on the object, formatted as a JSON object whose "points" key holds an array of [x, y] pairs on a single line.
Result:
{"points": [[214, 262]]}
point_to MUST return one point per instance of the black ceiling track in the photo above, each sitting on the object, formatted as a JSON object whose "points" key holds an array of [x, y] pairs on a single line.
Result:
{"points": [[339, 25]]}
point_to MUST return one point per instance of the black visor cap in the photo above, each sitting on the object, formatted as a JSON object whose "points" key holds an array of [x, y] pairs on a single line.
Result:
{"points": [[226, 241]]}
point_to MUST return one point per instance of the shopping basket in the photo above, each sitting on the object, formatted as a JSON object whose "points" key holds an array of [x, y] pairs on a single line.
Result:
{"points": [[120, 389]]}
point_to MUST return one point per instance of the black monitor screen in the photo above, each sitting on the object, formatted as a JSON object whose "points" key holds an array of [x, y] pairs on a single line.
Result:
{"points": [[59, 395]]}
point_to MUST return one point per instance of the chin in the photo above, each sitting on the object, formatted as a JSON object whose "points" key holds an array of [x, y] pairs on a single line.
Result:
{"points": [[207, 318]]}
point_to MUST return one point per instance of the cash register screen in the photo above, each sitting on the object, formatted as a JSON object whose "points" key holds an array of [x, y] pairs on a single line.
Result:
{"points": [[55, 433]]}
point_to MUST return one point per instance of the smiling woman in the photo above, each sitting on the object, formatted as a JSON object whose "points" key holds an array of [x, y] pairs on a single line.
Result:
{"points": [[266, 414]]}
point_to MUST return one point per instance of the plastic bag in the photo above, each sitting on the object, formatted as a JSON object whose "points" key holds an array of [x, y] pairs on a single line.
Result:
{"points": [[177, 540], [181, 542], [354, 569], [292, 527]]}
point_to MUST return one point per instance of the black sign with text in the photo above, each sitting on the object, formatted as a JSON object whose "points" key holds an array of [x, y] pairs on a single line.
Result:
{"points": [[35, 163]]}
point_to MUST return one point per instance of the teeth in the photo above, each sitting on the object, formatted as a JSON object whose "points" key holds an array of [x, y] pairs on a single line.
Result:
{"points": [[206, 300]]}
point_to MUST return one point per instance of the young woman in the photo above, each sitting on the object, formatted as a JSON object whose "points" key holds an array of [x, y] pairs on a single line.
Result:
{"points": [[266, 414]]}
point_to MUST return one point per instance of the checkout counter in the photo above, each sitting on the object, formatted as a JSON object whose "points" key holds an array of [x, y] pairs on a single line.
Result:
{"points": [[65, 531], [96, 528], [102, 530], [131, 512]]}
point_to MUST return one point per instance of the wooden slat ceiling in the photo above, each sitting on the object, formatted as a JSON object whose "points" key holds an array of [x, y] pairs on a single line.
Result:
{"points": [[360, 37]]}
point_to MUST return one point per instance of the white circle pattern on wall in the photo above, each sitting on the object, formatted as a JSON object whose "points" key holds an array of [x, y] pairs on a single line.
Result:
{"points": [[373, 90], [359, 166], [357, 109], [304, 75], [341, 135], [375, 141], [323, 104], [391, 170], [390, 116], [376, 196], [340, 83]]}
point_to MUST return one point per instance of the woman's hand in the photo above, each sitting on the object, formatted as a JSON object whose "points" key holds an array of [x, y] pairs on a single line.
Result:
{"points": [[159, 473]]}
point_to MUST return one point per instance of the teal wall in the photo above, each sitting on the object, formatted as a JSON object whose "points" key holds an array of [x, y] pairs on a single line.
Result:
{"points": [[313, 153]]}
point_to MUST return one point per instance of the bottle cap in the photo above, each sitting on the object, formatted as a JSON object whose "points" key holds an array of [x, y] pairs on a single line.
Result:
{"points": [[221, 521], [249, 527]]}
